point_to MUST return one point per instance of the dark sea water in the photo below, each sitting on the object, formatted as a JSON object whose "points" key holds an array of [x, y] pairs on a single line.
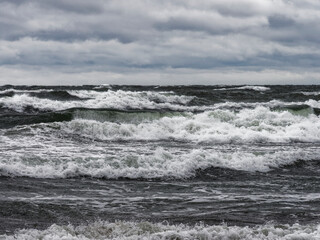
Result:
{"points": [[160, 162]]}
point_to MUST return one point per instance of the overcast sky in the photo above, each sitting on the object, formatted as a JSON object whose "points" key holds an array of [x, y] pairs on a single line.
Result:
{"points": [[159, 42]]}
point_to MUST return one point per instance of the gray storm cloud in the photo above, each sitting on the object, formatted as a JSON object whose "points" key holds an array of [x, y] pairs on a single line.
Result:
{"points": [[159, 42]]}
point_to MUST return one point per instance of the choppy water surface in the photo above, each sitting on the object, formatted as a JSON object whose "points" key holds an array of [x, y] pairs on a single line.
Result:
{"points": [[160, 162]]}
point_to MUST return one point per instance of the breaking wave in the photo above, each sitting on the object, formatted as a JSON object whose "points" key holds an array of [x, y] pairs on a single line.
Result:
{"points": [[220, 126]]}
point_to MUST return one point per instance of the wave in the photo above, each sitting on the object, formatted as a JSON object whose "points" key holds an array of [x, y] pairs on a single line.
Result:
{"points": [[296, 123], [70, 161], [310, 93], [248, 87], [31, 116], [56, 95], [13, 90], [124, 116], [103, 86], [60, 95], [255, 88], [256, 125], [58, 100], [6, 94], [271, 104], [147, 230], [92, 99]]}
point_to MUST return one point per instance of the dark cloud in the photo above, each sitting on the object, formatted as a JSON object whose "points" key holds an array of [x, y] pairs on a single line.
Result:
{"points": [[279, 21], [79, 7], [191, 25], [69, 36]]}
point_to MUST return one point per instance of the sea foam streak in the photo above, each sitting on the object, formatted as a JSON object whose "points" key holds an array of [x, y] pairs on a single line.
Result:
{"points": [[146, 230]]}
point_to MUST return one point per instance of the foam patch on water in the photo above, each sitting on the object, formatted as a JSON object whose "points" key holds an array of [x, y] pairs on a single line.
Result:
{"points": [[220, 126], [146, 230]]}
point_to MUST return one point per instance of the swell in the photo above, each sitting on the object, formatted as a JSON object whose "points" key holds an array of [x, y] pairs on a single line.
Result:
{"points": [[249, 94], [7, 94], [11, 118], [298, 168], [56, 95], [15, 119]]}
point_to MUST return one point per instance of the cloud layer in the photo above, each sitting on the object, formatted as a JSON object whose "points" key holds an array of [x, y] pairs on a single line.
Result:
{"points": [[159, 42]]}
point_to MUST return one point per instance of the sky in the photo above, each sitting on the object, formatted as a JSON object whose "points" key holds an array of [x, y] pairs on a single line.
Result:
{"points": [[75, 42]]}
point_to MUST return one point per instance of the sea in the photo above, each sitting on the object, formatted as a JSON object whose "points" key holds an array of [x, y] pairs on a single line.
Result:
{"points": [[160, 162]]}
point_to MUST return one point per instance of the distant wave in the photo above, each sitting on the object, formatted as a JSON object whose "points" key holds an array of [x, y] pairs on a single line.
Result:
{"points": [[111, 99], [56, 95], [255, 88], [103, 86], [119, 99], [311, 93], [147, 230]]}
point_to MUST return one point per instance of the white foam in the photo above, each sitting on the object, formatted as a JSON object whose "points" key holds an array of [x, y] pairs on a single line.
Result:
{"points": [[146, 230]]}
